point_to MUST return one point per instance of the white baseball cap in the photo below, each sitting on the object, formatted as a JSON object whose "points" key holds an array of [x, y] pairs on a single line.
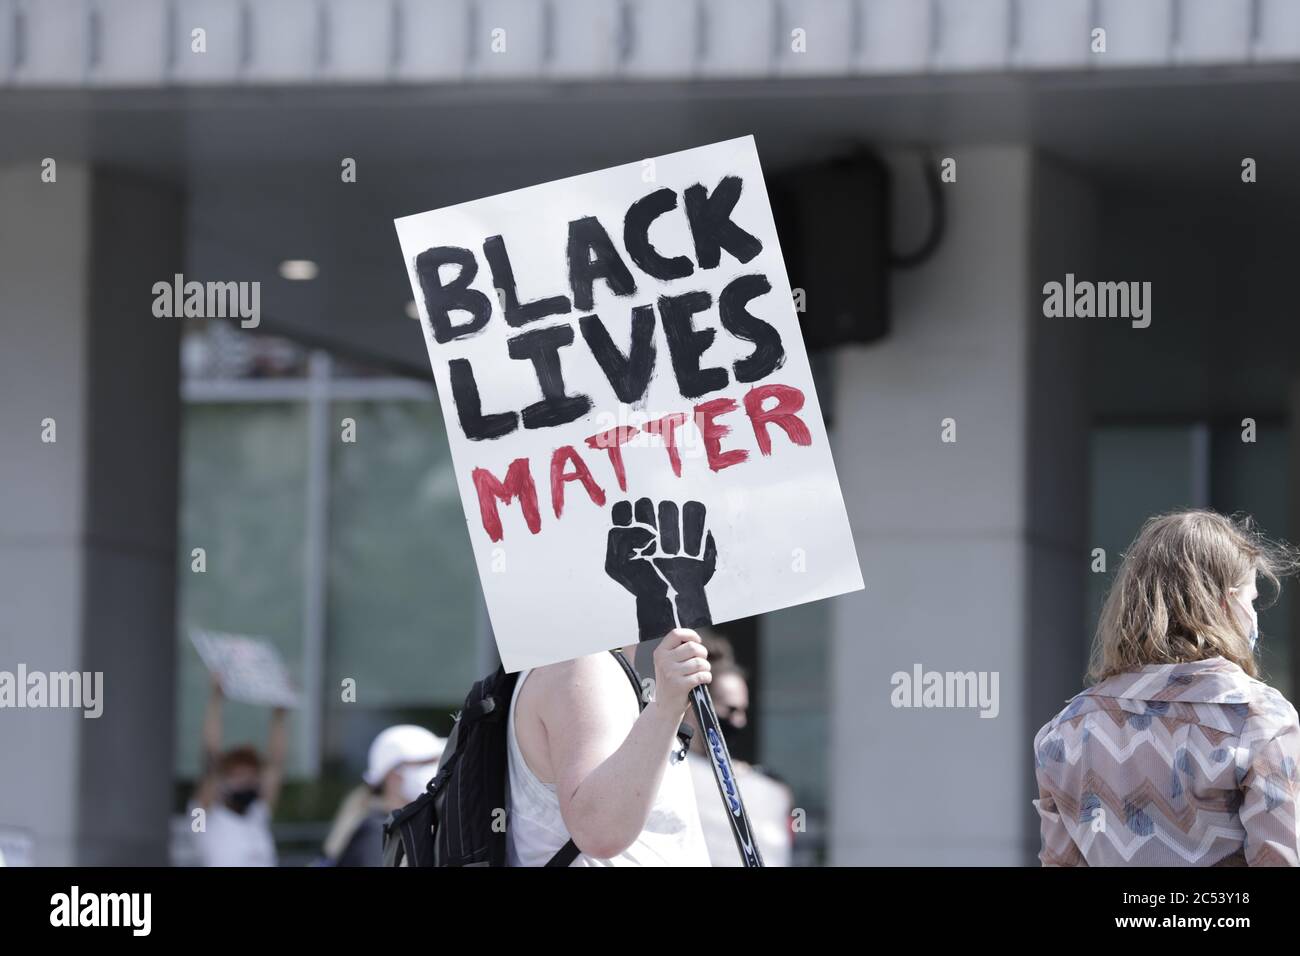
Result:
{"points": [[404, 743]]}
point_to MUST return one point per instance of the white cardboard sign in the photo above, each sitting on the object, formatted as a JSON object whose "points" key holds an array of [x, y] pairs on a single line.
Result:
{"points": [[632, 419], [250, 669]]}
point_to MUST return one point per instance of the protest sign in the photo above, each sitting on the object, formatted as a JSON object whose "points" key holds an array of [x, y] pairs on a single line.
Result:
{"points": [[249, 669], [633, 425]]}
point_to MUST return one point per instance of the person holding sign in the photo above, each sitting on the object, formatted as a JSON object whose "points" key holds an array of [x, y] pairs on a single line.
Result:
{"points": [[625, 390], [583, 764], [238, 793]]}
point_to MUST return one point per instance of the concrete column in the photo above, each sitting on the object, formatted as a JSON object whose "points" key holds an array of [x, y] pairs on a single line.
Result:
{"points": [[972, 551], [88, 521]]}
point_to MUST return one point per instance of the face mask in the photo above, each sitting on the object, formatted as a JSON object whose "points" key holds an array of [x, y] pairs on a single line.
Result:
{"points": [[1251, 620], [240, 800], [739, 737], [730, 728], [414, 778]]}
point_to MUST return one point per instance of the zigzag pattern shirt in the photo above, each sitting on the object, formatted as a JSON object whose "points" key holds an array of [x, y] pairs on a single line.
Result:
{"points": [[1172, 765]]}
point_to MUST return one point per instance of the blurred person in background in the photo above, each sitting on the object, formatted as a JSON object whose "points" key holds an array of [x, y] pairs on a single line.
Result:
{"points": [[768, 801], [1179, 755], [401, 762], [238, 792]]}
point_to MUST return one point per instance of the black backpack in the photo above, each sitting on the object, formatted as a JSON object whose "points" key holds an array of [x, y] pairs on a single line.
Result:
{"points": [[456, 821]]}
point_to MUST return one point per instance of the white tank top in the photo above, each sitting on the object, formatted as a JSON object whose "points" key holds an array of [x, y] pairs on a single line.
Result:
{"points": [[535, 830]]}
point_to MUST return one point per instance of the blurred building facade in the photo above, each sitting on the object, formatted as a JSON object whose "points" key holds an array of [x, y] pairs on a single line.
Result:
{"points": [[1119, 164]]}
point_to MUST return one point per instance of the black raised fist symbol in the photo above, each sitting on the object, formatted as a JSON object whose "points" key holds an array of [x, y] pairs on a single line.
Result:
{"points": [[664, 558]]}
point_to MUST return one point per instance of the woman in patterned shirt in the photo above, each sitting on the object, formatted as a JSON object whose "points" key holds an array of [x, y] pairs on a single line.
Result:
{"points": [[1178, 755]]}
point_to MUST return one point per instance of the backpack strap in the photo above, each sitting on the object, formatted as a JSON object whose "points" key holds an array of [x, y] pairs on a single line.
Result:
{"points": [[630, 671], [684, 730], [565, 855]]}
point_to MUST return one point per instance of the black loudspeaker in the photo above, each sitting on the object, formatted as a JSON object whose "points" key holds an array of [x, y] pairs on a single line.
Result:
{"points": [[833, 221]]}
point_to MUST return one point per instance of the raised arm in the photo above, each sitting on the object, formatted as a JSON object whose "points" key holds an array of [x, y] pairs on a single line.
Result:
{"points": [[210, 747], [607, 773], [277, 750]]}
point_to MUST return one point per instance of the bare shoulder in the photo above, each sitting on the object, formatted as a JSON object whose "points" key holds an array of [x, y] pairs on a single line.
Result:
{"points": [[590, 686]]}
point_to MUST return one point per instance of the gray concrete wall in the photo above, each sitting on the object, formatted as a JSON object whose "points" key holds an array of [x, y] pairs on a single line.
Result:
{"points": [[44, 266], [954, 539], [1063, 217], [88, 539]]}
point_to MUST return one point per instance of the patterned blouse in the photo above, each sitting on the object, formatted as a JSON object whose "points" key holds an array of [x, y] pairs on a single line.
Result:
{"points": [[1172, 765]]}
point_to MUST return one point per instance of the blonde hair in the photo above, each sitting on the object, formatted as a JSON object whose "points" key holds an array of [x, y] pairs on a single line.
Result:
{"points": [[1169, 603]]}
